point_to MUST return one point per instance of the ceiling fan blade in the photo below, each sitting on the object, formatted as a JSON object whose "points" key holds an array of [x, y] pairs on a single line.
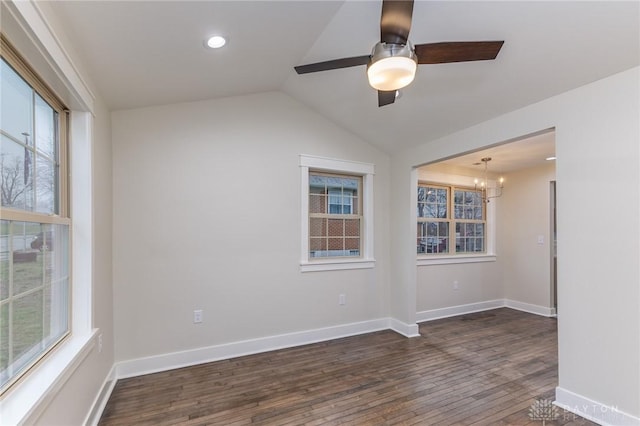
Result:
{"points": [[395, 21], [386, 97], [333, 64], [457, 51]]}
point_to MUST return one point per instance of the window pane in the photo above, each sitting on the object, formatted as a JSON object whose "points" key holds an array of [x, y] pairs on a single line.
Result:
{"points": [[470, 237], [45, 135], [4, 279], [468, 205], [27, 265], [46, 184], [336, 227], [353, 204], [335, 201], [16, 108], [352, 245], [352, 227], [317, 227], [458, 197], [433, 237], [35, 292], [16, 174], [4, 340], [317, 200], [341, 201], [27, 318], [336, 244], [432, 202], [333, 182], [422, 197], [28, 148]]}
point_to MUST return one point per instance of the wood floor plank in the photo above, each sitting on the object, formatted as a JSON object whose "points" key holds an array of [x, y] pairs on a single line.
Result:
{"points": [[486, 368]]}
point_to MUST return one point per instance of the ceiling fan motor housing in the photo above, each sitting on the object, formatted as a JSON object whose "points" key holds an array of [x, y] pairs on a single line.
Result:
{"points": [[392, 66]]}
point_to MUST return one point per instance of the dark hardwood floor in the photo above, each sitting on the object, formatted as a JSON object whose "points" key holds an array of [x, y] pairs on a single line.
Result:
{"points": [[486, 368]]}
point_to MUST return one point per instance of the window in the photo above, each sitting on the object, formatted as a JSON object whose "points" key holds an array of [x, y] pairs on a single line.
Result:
{"points": [[334, 219], [34, 219], [450, 224], [337, 214], [341, 198]]}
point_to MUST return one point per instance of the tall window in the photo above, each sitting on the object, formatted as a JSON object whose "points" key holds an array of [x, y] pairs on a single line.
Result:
{"points": [[335, 220], [450, 224], [34, 219]]}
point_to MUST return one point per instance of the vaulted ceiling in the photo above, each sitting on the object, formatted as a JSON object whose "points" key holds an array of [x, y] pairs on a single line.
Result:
{"points": [[151, 52]]}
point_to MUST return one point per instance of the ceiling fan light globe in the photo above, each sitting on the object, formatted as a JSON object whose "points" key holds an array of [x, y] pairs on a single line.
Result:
{"points": [[392, 66], [391, 73]]}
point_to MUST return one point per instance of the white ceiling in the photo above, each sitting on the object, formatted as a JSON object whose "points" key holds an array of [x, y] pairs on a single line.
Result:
{"points": [[151, 52], [530, 151]]}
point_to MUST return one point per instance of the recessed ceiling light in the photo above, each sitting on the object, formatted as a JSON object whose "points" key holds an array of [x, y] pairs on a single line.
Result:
{"points": [[215, 42], [550, 158]]}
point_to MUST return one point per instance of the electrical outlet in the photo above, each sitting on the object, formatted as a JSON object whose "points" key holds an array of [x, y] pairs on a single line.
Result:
{"points": [[99, 342], [342, 299], [197, 316], [456, 286]]}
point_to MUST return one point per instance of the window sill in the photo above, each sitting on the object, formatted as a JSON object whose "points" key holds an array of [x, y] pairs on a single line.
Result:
{"points": [[40, 385], [455, 259], [336, 265]]}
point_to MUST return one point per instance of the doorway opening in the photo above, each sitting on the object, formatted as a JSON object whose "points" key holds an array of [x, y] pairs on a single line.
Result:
{"points": [[519, 265]]}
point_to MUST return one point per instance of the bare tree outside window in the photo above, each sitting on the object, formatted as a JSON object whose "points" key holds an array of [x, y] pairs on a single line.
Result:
{"points": [[14, 183]]}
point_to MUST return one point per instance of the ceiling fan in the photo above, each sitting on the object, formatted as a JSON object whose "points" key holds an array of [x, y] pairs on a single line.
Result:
{"points": [[392, 63]]}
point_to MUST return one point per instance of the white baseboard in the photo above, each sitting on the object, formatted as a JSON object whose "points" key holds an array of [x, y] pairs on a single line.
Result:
{"points": [[528, 307], [101, 399], [470, 308], [169, 361], [452, 311], [597, 412], [407, 330]]}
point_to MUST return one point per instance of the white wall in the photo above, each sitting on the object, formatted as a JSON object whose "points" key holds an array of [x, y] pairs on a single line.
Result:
{"points": [[597, 144], [525, 216], [206, 216], [476, 283], [597, 134]]}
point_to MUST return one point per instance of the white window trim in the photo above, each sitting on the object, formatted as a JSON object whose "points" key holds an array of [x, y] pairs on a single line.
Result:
{"points": [[366, 170], [455, 259], [447, 259]]}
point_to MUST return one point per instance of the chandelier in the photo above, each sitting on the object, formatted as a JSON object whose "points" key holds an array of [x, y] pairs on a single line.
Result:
{"points": [[483, 185]]}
